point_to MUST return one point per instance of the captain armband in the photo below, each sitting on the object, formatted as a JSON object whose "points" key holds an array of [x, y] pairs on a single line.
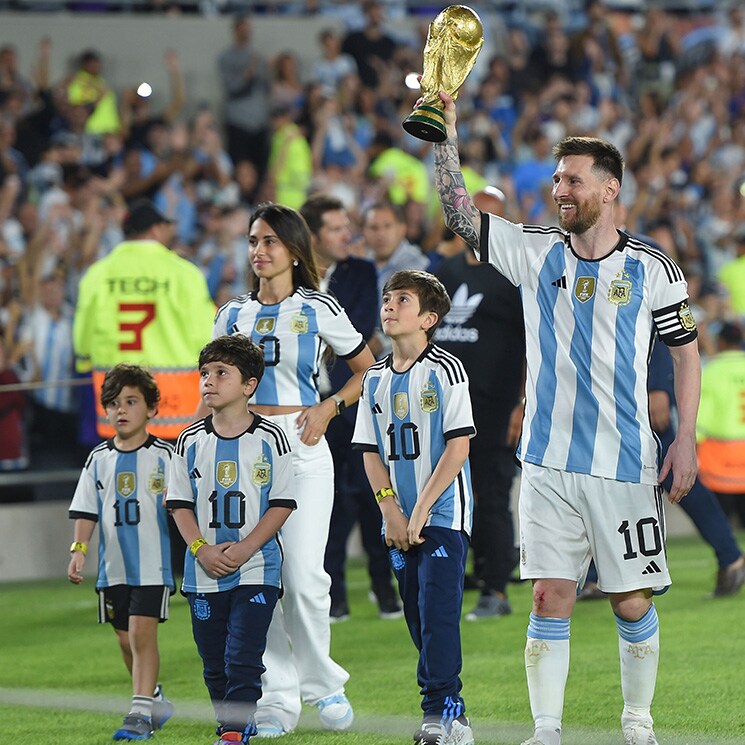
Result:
{"points": [[383, 493]]}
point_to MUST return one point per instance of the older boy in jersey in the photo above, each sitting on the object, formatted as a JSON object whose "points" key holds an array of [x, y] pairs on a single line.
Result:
{"points": [[414, 422], [231, 492], [593, 297], [121, 488]]}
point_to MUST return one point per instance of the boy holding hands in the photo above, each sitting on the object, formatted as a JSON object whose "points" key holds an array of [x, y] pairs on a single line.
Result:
{"points": [[230, 493], [121, 488], [414, 423]]}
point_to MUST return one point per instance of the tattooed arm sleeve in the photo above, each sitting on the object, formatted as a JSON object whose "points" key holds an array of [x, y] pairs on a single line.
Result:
{"points": [[461, 216]]}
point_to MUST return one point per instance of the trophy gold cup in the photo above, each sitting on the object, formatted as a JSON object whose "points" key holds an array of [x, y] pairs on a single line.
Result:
{"points": [[454, 41]]}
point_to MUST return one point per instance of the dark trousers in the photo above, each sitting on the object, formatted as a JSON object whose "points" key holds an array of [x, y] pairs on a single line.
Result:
{"points": [[353, 502], [245, 145], [493, 539], [230, 631], [430, 579]]}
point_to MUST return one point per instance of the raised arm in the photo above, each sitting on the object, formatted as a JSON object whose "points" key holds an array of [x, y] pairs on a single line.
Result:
{"points": [[461, 216]]}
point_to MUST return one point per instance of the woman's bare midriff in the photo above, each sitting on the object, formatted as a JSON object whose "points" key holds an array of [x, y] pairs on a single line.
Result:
{"points": [[275, 410]]}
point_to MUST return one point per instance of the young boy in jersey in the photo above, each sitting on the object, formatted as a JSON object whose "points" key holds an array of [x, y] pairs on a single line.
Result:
{"points": [[414, 423], [121, 488], [230, 493]]}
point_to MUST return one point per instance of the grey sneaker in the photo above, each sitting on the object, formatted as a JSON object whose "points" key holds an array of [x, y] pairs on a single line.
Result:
{"points": [[489, 606], [431, 733], [639, 734], [135, 727], [460, 732], [533, 741], [729, 581]]}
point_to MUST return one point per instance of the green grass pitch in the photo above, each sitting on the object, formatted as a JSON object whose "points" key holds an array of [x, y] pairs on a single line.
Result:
{"points": [[62, 681]]}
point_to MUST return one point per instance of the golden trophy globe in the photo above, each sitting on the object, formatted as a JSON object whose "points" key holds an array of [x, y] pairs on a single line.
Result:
{"points": [[454, 41]]}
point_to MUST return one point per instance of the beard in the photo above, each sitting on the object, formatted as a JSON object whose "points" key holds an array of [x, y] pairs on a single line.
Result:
{"points": [[585, 216]]}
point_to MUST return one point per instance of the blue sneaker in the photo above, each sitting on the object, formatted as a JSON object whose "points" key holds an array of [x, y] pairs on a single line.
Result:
{"points": [[162, 708], [270, 728], [135, 727], [335, 712]]}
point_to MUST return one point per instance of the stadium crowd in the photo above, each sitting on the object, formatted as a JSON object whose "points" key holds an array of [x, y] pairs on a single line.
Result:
{"points": [[667, 89]]}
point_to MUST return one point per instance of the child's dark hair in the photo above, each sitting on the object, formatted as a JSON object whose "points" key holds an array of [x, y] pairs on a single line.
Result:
{"points": [[237, 350], [431, 293], [133, 376]]}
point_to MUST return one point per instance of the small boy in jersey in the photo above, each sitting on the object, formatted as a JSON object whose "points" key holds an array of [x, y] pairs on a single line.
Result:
{"points": [[231, 491], [121, 488], [414, 422]]}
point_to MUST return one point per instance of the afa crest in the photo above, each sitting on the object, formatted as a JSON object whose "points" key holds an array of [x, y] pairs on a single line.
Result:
{"points": [[428, 399], [299, 324], [619, 292], [687, 321], [264, 326], [202, 610], [227, 472], [400, 404], [109, 610], [156, 482], [126, 483], [261, 474], [584, 288]]}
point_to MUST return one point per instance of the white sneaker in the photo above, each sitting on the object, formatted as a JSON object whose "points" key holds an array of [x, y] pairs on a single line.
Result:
{"points": [[270, 728], [335, 712], [460, 733], [639, 734], [533, 741]]}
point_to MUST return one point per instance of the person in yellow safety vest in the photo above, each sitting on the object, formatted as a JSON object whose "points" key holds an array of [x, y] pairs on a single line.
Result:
{"points": [[145, 305], [720, 425]]}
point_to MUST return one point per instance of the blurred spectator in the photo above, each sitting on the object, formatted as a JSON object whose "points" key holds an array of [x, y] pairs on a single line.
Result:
{"points": [[88, 89], [732, 275], [371, 48], [334, 64], [290, 161], [245, 84], [286, 89]]}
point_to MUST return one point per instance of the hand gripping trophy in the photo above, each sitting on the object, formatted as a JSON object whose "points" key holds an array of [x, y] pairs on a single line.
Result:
{"points": [[454, 41]]}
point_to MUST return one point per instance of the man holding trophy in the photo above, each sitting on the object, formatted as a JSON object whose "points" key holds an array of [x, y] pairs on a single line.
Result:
{"points": [[592, 296]]}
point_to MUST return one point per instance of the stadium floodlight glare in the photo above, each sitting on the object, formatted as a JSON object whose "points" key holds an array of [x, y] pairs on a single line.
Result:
{"points": [[144, 90], [412, 81]]}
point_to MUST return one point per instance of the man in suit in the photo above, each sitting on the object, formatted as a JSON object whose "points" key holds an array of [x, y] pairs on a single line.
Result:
{"points": [[354, 283]]}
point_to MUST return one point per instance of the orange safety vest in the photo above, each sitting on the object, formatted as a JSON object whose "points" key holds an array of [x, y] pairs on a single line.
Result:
{"points": [[721, 465]]}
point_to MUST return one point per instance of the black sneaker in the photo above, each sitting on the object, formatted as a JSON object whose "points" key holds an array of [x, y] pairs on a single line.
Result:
{"points": [[389, 605], [430, 733], [339, 611], [729, 580], [135, 727]]}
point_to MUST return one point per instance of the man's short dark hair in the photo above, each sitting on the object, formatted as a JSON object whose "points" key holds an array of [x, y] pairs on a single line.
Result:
{"points": [[315, 207], [142, 215], [730, 334], [605, 156], [433, 297], [237, 350], [133, 376]]}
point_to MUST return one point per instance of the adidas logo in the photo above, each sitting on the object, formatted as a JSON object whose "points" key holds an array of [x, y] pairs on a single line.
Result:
{"points": [[652, 568], [440, 553], [463, 306], [195, 474], [376, 409], [99, 486], [260, 599], [561, 283]]}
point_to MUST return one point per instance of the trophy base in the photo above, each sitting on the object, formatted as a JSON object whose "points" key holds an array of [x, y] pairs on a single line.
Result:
{"points": [[426, 123]]}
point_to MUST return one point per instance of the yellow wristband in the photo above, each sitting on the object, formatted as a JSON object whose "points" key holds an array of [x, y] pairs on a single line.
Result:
{"points": [[196, 545], [381, 494], [78, 546]]}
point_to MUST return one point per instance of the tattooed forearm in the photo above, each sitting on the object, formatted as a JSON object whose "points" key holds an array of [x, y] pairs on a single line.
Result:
{"points": [[460, 214]]}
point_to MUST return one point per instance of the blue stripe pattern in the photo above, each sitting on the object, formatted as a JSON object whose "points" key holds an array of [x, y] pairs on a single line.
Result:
{"points": [[266, 392], [641, 630], [551, 629], [103, 580], [629, 459], [306, 351], [128, 534], [403, 468], [445, 504], [190, 573], [270, 550], [228, 500], [540, 425], [165, 539], [585, 414], [452, 709]]}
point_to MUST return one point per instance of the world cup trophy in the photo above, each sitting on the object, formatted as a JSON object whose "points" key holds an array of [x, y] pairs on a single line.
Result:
{"points": [[454, 41]]}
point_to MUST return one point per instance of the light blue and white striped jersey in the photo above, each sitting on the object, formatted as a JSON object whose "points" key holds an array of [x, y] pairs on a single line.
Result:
{"points": [[293, 335], [407, 418], [123, 493], [589, 329], [230, 483]]}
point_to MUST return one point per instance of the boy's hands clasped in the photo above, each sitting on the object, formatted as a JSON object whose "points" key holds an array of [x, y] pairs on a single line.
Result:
{"points": [[403, 533], [217, 561]]}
